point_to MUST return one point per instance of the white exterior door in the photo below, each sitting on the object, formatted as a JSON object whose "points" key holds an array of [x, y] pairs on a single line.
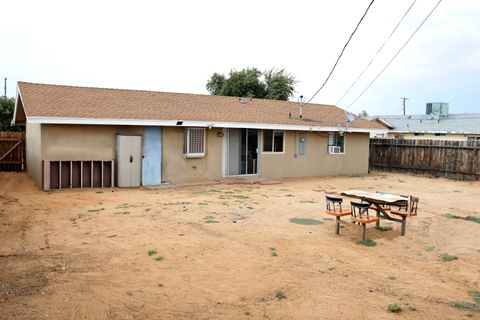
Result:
{"points": [[129, 161]]}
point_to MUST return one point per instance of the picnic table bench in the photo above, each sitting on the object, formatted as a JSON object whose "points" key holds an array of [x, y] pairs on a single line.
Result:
{"points": [[383, 202]]}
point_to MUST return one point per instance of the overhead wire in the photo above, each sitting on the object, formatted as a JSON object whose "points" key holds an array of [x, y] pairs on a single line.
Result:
{"points": [[395, 56], [378, 51], [341, 53]]}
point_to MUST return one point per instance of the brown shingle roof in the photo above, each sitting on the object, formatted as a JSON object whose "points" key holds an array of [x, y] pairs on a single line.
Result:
{"points": [[45, 100]]}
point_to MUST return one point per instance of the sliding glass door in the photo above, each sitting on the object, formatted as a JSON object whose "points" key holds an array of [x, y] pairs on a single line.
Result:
{"points": [[242, 153]]}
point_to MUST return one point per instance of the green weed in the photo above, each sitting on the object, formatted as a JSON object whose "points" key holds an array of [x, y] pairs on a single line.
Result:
{"points": [[280, 295], [159, 258], [476, 296], [464, 305], [122, 212], [383, 229], [473, 219], [367, 242], [446, 257], [305, 221], [394, 308], [273, 252], [152, 252]]}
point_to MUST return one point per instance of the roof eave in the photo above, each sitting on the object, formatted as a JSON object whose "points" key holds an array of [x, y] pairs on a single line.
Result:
{"points": [[189, 123]]}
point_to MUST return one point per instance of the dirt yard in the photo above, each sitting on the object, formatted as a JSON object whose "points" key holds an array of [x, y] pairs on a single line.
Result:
{"points": [[230, 252]]}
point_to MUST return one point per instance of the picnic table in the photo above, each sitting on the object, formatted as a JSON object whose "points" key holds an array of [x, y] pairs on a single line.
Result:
{"points": [[379, 200]]}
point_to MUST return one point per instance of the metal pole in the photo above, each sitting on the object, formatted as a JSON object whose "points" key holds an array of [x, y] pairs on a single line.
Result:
{"points": [[404, 106]]}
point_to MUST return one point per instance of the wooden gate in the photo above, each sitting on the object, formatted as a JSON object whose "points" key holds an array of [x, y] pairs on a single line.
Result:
{"points": [[12, 151]]}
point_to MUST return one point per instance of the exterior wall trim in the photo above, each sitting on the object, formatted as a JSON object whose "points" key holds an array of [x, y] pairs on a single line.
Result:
{"points": [[187, 123]]}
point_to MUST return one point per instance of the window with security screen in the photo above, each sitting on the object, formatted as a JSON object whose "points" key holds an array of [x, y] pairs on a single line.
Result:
{"points": [[194, 142]]}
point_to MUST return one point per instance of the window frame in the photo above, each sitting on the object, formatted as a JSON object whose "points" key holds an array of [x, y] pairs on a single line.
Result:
{"points": [[473, 138], [186, 143], [273, 141], [335, 145]]}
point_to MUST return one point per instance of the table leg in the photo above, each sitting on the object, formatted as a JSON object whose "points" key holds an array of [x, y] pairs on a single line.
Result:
{"points": [[377, 224], [404, 226], [364, 225], [337, 226]]}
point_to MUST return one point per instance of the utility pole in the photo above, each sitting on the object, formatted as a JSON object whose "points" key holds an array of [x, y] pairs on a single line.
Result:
{"points": [[404, 104]]}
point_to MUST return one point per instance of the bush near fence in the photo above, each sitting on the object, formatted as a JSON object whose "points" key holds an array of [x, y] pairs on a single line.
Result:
{"points": [[14, 161], [440, 158]]}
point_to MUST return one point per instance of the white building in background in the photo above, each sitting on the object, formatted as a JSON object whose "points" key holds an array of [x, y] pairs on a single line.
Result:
{"points": [[435, 124]]}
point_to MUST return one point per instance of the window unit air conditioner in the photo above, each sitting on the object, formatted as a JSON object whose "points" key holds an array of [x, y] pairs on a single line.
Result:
{"points": [[334, 149]]}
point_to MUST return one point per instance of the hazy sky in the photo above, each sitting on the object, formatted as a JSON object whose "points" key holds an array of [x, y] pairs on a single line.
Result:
{"points": [[177, 45]]}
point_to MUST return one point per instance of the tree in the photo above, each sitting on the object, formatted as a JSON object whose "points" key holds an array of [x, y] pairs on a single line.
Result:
{"points": [[251, 82], [363, 114], [280, 85], [7, 107]]}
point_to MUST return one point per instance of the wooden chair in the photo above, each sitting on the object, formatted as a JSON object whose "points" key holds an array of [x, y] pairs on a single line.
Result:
{"points": [[334, 208], [409, 210], [361, 216]]}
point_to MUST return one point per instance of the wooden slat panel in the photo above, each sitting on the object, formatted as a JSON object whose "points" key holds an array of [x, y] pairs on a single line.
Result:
{"points": [[451, 159]]}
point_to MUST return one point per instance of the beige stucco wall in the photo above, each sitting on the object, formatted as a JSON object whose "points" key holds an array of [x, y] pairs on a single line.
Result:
{"points": [[34, 151], [316, 161], [176, 168], [82, 142]]}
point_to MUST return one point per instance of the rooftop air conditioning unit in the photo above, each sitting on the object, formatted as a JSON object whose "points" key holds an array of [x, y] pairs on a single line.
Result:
{"points": [[334, 149]]}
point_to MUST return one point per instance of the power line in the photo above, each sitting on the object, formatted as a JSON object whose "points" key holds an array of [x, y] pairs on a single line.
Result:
{"points": [[376, 54], [398, 52], [341, 53]]}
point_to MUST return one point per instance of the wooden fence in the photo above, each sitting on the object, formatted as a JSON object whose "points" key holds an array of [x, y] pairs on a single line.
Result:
{"points": [[439, 158], [12, 151]]}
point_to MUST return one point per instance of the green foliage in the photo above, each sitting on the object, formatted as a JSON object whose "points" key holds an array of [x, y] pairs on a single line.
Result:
{"points": [[446, 257], [367, 242], [305, 221], [472, 218], [280, 295], [468, 218], [476, 296], [464, 305], [253, 83], [280, 85], [383, 229], [216, 84], [158, 258], [7, 107], [152, 252], [394, 308]]}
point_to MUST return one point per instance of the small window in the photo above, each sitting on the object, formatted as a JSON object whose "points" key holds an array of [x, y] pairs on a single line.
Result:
{"points": [[399, 136], [439, 134], [473, 138], [273, 140], [419, 134], [336, 143], [194, 142]]}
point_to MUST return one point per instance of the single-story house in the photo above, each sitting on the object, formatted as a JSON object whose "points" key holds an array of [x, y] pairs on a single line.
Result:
{"points": [[94, 137], [436, 124]]}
